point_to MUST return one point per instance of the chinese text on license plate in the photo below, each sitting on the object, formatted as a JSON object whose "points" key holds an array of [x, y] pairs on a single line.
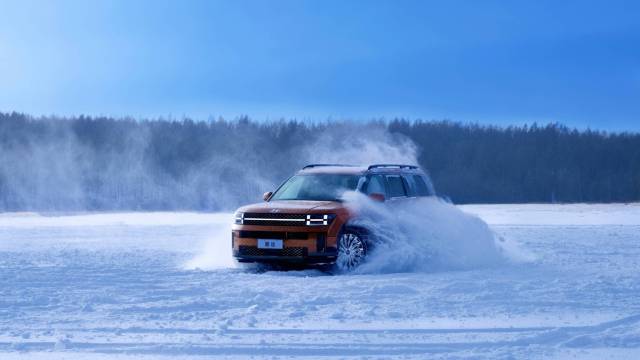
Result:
{"points": [[269, 244]]}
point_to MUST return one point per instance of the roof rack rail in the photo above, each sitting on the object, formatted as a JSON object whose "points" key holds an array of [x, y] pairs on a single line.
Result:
{"points": [[400, 166], [319, 165]]}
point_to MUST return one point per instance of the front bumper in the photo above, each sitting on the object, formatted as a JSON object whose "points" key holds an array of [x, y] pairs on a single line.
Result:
{"points": [[286, 255], [303, 247]]}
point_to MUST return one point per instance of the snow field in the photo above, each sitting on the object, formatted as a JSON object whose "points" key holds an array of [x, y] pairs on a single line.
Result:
{"points": [[161, 285]]}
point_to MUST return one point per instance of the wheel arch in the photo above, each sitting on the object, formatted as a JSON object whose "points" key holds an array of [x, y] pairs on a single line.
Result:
{"points": [[357, 232], [360, 229]]}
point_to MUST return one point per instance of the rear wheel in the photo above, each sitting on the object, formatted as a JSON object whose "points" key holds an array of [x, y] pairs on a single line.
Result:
{"points": [[352, 250]]}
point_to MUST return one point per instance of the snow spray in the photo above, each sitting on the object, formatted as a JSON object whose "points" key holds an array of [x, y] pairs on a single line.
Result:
{"points": [[426, 235]]}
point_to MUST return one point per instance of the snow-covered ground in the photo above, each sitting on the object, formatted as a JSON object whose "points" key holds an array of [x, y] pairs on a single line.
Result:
{"points": [[132, 285]]}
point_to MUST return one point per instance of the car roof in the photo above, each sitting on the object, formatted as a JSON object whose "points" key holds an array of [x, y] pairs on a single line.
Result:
{"points": [[333, 169], [358, 170]]}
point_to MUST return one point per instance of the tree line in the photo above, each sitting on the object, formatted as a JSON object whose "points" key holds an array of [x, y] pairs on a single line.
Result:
{"points": [[100, 163]]}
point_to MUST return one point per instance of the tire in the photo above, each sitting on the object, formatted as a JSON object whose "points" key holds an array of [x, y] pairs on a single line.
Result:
{"points": [[352, 250]]}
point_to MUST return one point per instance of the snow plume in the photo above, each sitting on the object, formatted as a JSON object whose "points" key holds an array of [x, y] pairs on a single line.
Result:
{"points": [[341, 143], [427, 235], [104, 164], [355, 144], [36, 171], [215, 252]]}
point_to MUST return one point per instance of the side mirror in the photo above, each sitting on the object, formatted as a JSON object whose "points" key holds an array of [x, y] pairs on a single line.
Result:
{"points": [[266, 196], [376, 197]]}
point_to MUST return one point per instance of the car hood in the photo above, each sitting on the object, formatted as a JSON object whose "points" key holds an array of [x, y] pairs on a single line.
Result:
{"points": [[292, 206]]}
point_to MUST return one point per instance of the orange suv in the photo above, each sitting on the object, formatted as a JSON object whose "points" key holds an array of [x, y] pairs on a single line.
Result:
{"points": [[305, 220]]}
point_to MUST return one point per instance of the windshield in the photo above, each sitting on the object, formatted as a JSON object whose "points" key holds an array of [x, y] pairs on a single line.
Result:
{"points": [[323, 187]]}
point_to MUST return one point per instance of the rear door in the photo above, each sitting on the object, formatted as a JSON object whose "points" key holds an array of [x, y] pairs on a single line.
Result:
{"points": [[376, 184], [396, 188], [417, 186]]}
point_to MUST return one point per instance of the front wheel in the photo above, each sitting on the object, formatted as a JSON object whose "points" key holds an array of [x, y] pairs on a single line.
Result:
{"points": [[352, 250]]}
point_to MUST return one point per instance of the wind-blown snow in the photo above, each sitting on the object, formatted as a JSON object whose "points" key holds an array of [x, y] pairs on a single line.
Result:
{"points": [[102, 286], [427, 234], [567, 214]]}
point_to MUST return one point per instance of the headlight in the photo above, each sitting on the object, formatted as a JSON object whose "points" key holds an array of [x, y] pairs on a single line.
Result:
{"points": [[320, 219], [239, 218]]}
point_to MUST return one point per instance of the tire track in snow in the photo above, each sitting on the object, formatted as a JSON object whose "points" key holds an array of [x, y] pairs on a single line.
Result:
{"points": [[278, 342]]}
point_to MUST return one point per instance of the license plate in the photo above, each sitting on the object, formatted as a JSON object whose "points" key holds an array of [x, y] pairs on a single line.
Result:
{"points": [[269, 244]]}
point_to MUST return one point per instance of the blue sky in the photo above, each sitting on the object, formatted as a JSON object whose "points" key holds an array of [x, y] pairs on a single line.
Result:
{"points": [[493, 62]]}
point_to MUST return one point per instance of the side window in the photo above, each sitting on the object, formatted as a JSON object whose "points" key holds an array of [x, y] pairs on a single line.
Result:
{"points": [[396, 186], [375, 185], [421, 187], [409, 185]]}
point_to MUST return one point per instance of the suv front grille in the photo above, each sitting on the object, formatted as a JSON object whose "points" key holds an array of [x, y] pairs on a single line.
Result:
{"points": [[289, 252], [273, 235], [274, 219]]}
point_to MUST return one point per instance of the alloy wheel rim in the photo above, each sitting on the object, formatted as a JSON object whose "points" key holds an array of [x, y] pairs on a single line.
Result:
{"points": [[351, 252]]}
